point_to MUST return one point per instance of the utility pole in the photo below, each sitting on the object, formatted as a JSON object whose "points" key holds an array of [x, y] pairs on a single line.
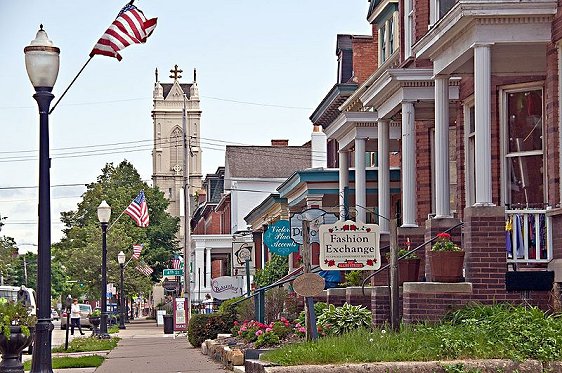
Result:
{"points": [[186, 217]]}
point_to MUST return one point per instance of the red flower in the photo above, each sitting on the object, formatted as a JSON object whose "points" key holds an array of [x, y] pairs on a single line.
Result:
{"points": [[352, 227], [368, 230], [370, 262], [345, 227], [331, 263], [330, 230], [444, 236]]}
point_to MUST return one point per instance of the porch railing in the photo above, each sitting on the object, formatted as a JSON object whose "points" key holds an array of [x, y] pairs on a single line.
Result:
{"points": [[528, 237]]}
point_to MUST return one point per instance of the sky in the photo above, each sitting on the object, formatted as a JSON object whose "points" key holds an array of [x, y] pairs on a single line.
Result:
{"points": [[262, 68]]}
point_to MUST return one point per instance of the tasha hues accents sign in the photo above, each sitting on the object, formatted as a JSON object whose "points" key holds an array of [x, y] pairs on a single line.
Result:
{"points": [[347, 245]]}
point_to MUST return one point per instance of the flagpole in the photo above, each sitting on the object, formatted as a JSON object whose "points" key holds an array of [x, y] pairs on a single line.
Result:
{"points": [[121, 214], [70, 85]]}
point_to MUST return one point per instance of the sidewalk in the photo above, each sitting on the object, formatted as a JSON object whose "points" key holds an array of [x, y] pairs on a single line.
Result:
{"points": [[145, 348]]}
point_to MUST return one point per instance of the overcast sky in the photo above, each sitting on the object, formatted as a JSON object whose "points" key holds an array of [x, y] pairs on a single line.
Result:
{"points": [[262, 68]]}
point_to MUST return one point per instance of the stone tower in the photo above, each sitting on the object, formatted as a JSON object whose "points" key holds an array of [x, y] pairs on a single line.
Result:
{"points": [[170, 99]]}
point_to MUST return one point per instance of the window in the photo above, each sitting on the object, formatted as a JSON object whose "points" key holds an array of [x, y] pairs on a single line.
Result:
{"points": [[470, 173], [382, 43], [439, 8], [176, 148], [409, 27], [452, 169], [388, 36], [524, 157]]}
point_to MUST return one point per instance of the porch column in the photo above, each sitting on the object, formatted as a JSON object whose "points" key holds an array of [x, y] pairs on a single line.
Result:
{"points": [[360, 182], [409, 200], [208, 271], [343, 183], [482, 109], [383, 175], [442, 182]]}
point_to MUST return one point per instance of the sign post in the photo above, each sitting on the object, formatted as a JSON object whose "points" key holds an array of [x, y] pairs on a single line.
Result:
{"points": [[310, 316], [394, 291]]}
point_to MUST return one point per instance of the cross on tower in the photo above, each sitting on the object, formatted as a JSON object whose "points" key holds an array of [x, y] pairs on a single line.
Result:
{"points": [[176, 73]]}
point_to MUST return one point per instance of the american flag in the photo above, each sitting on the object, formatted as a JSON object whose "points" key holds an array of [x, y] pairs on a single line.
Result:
{"points": [[144, 269], [176, 262], [130, 27], [137, 251], [138, 210]]}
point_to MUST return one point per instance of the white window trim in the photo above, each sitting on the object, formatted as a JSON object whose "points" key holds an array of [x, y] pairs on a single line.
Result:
{"points": [[504, 180], [408, 28], [469, 183]]}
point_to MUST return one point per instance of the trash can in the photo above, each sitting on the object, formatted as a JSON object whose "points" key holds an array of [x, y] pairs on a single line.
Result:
{"points": [[168, 324]]}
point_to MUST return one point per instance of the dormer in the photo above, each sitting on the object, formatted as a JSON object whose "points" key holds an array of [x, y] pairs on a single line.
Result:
{"points": [[384, 14], [344, 51]]}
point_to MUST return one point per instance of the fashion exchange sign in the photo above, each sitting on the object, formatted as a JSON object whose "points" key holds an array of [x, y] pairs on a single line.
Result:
{"points": [[348, 245]]}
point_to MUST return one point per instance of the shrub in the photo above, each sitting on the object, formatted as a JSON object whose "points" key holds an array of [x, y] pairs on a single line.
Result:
{"points": [[319, 308], [340, 320], [207, 326]]}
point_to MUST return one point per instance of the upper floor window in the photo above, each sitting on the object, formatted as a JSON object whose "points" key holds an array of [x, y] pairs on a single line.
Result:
{"points": [[176, 148], [386, 18]]}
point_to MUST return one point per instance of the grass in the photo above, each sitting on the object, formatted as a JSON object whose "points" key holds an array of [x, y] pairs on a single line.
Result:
{"points": [[476, 332], [85, 344], [72, 362], [113, 329]]}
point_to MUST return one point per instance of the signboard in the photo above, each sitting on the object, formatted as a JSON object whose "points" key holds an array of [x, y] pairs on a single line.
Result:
{"points": [[347, 245], [308, 284], [277, 237], [225, 287], [170, 285], [318, 216], [173, 272], [180, 315], [240, 250], [160, 317]]}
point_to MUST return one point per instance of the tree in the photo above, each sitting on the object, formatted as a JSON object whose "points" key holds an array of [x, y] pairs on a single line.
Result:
{"points": [[8, 254], [274, 269], [79, 252]]}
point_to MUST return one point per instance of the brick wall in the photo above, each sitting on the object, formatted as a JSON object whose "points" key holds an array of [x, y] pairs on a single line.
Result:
{"points": [[423, 170], [431, 301], [552, 128], [336, 296], [354, 295], [364, 58]]}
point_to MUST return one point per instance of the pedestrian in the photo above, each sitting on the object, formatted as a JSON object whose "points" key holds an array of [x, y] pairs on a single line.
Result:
{"points": [[75, 317], [208, 304]]}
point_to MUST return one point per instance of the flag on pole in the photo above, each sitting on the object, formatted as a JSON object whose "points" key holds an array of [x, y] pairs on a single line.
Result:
{"points": [[137, 251], [176, 262], [138, 210], [130, 27], [144, 269]]}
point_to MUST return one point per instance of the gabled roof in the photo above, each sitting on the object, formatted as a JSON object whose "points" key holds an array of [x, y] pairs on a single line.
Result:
{"points": [[167, 87], [266, 161]]}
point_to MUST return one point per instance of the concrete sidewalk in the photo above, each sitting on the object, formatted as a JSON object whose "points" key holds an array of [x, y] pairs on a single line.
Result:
{"points": [[145, 348]]}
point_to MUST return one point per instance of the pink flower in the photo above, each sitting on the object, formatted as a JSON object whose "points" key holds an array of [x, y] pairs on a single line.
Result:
{"points": [[268, 330], [302, 330], [243, 328], [259, 332], [236, 323]]}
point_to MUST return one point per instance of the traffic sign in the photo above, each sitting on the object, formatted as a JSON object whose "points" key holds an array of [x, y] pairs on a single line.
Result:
{"points": [[173, 272]]}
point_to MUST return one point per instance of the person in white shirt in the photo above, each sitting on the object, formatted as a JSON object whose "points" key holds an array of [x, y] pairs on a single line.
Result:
{"points": [[75, 317], [208, 304]]}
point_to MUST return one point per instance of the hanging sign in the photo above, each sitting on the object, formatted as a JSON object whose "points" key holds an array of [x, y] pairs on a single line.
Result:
{"points": [[225, 287], [316, 216], [308, 284], [242, 251], [277, 237], [347, 245]]}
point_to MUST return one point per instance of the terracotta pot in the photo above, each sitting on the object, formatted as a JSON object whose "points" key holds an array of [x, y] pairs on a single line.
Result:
{"points": [[408, 270], [446, 266], [11, 349]]}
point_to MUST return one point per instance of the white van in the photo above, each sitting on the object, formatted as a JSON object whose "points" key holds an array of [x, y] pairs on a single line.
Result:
{"points": [[22, 294]]}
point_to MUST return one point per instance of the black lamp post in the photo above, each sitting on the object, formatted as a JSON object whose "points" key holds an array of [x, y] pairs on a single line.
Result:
{"points": [[121, 260], [42, 65], [104, 213]]}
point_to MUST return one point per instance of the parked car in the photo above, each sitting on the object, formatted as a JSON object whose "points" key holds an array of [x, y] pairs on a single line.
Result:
{"points": [[85, 311], [54, 314]]}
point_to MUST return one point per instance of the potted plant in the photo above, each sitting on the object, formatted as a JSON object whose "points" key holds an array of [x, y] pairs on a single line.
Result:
{"points": [[17, 326], [446, 260], [95, 320], [408, 266]]}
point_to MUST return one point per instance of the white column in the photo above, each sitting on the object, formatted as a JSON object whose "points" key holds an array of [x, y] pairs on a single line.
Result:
{"points": [[442, 192], [559, 46], [208, 271], [409, 200], [199, 263], [482, 108], [383, 175], [343, 180], [360, 182]]}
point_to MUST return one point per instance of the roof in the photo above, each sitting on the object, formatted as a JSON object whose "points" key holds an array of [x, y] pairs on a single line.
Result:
{"points": [[167, 87], [266, 161], [328, 109]]}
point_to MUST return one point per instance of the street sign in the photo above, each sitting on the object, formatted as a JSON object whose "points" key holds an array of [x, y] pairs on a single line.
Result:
{"points": [[173, 272]]}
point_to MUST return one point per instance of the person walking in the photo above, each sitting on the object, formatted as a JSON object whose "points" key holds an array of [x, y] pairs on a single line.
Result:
{"points": [[75, 317], [208, 304]]}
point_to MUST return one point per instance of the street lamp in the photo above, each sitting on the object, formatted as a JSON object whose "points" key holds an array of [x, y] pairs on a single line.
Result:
{"points": [[104, 213], [121, 260], [42, 65]]}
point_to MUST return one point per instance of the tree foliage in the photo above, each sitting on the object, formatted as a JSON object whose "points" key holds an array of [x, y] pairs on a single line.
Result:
{"points": [[274, 269], [8, 254], [79, 253]]}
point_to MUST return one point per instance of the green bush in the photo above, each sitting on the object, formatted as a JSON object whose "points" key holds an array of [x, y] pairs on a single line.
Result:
{"points": [[341, 320], [319, 308], [267, 339], [207, 326]]}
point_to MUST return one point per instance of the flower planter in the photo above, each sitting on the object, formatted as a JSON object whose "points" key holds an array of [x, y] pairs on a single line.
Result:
{"points": [[11, 349], [446, 266], [408, 270], [95, 322]]}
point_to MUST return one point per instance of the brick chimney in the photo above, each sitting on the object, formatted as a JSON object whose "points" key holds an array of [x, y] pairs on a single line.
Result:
{"points": [[279, 142]]}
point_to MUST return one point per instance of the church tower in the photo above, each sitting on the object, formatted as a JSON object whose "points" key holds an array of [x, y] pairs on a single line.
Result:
{"points": [[169, 102]]}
